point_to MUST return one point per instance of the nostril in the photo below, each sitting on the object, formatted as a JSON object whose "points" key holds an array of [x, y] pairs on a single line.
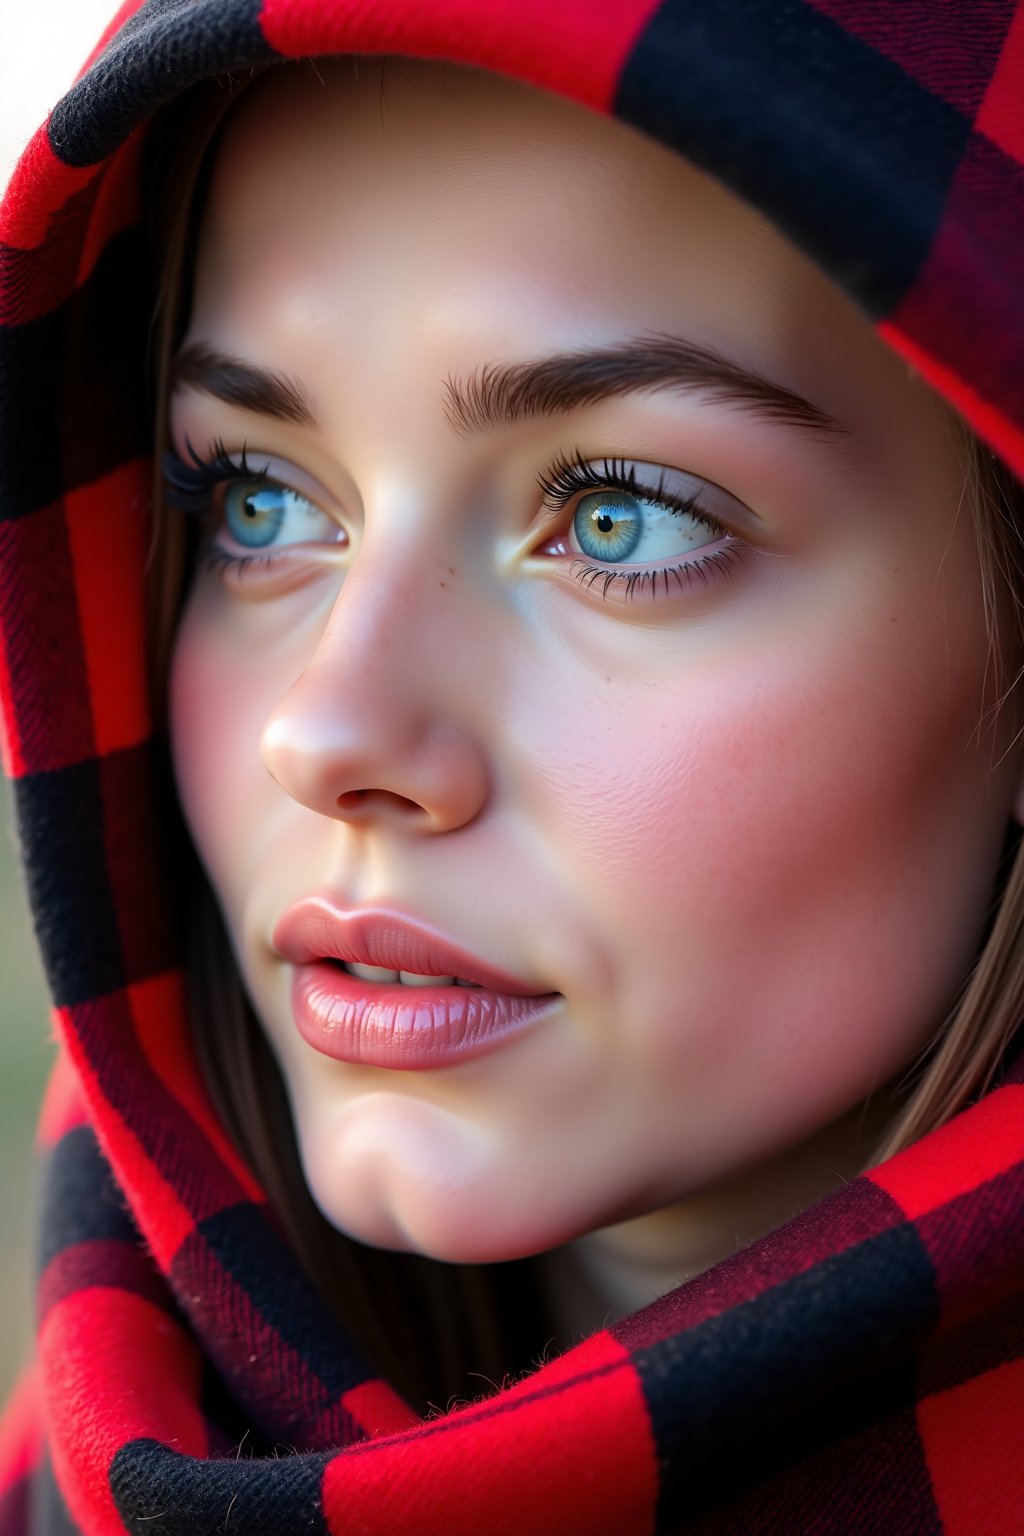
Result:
{"points": [[354, 800], [351, 798]]}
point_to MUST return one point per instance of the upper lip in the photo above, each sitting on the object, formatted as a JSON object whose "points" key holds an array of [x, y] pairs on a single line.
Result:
{"points": [[316, 929]]}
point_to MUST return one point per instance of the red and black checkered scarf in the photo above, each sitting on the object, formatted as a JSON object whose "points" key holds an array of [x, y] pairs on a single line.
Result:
{"points": [[858, 1370]]}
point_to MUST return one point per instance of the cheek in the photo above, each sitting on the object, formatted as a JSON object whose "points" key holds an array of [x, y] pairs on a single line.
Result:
{"points": [[776, 851], [219, 700]]}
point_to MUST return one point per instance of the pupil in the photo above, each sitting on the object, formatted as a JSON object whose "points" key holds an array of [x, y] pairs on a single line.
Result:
{"points": [[605, 523], [249, 507]]}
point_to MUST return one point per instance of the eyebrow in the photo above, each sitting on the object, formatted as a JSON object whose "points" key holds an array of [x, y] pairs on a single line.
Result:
{"points": [[237, 383], [501, 394]]}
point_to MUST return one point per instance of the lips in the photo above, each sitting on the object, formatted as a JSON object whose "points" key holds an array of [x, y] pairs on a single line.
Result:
{"points": [[315, 929], [391, 1024]]}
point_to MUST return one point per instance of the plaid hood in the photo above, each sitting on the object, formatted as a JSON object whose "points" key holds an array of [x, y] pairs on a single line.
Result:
{"points": [[858, 1370]]}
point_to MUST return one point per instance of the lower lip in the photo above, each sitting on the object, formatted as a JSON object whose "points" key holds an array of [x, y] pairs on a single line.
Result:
{"points": [[409, 1029]]}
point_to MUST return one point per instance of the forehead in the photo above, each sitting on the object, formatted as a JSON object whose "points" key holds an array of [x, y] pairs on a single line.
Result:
{"points": [[318, 126], [426, 162], [451, 218]]}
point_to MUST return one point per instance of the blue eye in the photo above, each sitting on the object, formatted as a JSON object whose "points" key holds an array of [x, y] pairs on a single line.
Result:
{"points": [[258, 513], [608, 525], [617, 525]]}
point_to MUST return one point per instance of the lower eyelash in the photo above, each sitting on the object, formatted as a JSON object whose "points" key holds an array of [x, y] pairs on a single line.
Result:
{"points": [[219, 560], [703, 570], [685, 576]]}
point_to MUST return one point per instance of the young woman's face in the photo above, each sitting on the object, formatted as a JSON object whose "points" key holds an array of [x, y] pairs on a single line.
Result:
{"points": [[606, 606]]}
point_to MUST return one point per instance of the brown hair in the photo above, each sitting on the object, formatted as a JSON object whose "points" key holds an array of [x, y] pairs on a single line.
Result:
{"points": [[965, 1054], [434, 1330]]}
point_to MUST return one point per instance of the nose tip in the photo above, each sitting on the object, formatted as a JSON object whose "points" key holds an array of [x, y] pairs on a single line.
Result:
{"points": [[383, 722], [373, 766]]}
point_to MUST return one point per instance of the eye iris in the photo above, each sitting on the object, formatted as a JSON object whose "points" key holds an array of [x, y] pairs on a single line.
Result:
{"points": [[608, 525], [254, 512]]}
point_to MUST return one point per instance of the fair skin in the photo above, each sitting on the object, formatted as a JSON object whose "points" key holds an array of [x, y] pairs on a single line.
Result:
{"points": [[746, 827]]}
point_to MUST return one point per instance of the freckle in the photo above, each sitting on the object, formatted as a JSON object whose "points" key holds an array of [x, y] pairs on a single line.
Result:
{"points": [[441, 583], [451, 570]]}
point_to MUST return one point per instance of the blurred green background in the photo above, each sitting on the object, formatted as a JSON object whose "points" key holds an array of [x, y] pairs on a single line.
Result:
{"points": [[25, 1053]]}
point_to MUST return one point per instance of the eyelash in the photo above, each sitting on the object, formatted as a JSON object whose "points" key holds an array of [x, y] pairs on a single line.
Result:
{"points": [[573, 475], [190, 488]]}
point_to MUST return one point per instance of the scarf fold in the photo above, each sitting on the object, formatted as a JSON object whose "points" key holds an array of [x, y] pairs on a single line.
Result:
{"points": [[858, 1370]]}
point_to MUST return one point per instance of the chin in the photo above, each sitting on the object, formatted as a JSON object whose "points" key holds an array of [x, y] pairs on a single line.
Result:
{"points": [[478, 1224], [457, 1235], [404, 1174]]}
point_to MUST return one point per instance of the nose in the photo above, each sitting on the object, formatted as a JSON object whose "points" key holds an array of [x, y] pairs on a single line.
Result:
{"points": [[370, 730]]}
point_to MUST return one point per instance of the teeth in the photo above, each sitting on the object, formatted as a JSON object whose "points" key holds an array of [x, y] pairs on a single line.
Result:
{"points": [[407, 978], [371, 972]]}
